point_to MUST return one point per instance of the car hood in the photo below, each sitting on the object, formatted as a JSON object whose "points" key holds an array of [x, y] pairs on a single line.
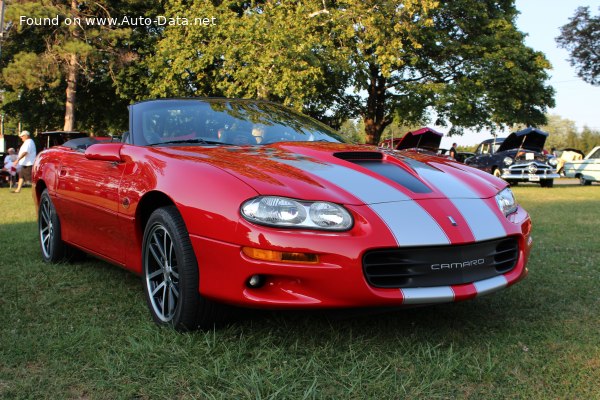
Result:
{"points": [[345, 174], [529, 139]]}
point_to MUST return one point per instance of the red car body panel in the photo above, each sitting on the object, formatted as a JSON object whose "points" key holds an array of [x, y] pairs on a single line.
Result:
{"points": [[103, 194], [97, 201]]}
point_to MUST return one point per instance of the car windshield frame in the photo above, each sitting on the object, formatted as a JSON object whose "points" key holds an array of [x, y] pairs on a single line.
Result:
{"points": [[215, 122]]}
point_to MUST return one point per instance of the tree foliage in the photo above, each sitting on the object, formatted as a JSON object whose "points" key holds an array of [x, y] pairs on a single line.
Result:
{"points": [[462, 61], [563, 133], [581, 38], [459, 63], [74, 64]]}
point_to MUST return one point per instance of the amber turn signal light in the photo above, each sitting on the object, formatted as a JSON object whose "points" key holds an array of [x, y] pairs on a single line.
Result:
{"points": [[280, 256]]}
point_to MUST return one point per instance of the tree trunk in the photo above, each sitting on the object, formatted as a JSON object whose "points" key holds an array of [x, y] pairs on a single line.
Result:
{"points": [[72, 72], [71, 93], [375, 116]]}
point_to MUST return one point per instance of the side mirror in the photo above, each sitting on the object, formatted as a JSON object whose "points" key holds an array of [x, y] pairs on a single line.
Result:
{"points": [[104, 152]]}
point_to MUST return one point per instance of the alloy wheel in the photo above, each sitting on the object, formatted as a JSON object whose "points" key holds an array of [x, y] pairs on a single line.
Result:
{"points": [[162, 273]]}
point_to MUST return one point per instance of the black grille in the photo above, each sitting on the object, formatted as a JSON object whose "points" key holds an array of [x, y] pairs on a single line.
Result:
{"points": [[439, 265]]}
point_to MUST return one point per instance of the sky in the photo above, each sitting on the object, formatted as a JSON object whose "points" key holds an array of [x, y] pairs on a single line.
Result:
{"points": [[575, 100]]}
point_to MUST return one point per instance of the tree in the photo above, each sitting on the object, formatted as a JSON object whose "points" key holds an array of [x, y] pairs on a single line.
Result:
{"points": [[462, 60], [581, 38], [560, 130], [588, 139], [353, 130], [64, 51]]}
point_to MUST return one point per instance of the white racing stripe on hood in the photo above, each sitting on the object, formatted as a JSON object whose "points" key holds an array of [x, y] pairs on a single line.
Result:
{"points": [[410, 224], [366, 188], [482, 220]]}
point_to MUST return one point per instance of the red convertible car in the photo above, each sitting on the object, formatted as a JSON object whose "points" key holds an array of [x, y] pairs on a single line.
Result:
{"points": [[219, 202]]}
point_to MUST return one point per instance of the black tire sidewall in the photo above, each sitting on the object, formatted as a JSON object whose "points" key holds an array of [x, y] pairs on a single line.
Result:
{"points": [[185, 317], [56, 248]]}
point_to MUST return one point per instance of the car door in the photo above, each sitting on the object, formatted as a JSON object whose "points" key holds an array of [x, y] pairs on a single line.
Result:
{"points": [[88, 205], [482, 157]]}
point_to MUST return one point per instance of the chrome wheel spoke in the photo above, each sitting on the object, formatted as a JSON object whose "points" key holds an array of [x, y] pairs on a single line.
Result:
{"points": [[157, 288], [155, 274], [171, 300], [157, 241], [45, 214], [156, 256], [164, 299], [170, 256], [175, 291]]}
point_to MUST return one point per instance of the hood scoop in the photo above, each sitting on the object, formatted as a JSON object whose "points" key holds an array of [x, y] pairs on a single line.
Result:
{"points": [[359, 155], [373, 161]]}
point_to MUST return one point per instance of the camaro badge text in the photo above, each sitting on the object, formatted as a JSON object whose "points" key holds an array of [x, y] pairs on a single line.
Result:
{"points": [[458, 265]]}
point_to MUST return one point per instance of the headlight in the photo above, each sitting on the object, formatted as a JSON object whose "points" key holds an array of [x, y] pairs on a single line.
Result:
{"points": [[553, 161], [290, 213], [508, 161], [506, 201]]}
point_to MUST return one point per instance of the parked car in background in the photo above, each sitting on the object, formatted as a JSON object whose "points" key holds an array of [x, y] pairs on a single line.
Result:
{"points": [[565, 155], [517, 158], [56, 138], [587, 170], [424, 139], [220, 202], [461, 156]]}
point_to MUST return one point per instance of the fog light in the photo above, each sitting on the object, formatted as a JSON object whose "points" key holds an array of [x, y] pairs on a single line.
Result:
{"points": [[256, 281]]}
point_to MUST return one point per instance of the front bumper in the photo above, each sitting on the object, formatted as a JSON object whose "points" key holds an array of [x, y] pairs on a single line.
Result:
{"points": [[533, 171], [337, 281]]}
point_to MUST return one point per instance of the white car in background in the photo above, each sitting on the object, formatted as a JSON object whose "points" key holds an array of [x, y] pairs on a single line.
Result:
{"points": [[587, 170]]}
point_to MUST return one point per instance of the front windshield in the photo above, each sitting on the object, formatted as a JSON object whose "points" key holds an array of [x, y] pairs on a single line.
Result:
{"points": [[227, 122], [487, 148]]}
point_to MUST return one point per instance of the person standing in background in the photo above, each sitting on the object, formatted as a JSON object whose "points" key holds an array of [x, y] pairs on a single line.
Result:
{"points": [[10, 166], [25, 159], [452, 152]]}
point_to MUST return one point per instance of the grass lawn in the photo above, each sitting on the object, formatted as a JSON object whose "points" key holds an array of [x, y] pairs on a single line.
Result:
{"points": [[83, 331]]}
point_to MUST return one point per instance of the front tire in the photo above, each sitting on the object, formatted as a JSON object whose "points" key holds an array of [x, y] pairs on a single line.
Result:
{"points": [[170, 274], [52, 246], [547, 183], [583, 181], [497, 173]]}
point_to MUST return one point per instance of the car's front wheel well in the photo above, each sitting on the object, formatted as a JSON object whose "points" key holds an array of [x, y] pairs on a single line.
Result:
{"points": [[148, 204], [40, 186]]}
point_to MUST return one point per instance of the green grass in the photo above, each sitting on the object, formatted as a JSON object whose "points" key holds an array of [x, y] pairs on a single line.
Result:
{"points": [[82, 330]]}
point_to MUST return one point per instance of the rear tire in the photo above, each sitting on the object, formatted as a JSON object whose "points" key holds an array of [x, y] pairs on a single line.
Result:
{"points": [[52, 246], [170, 275]]}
